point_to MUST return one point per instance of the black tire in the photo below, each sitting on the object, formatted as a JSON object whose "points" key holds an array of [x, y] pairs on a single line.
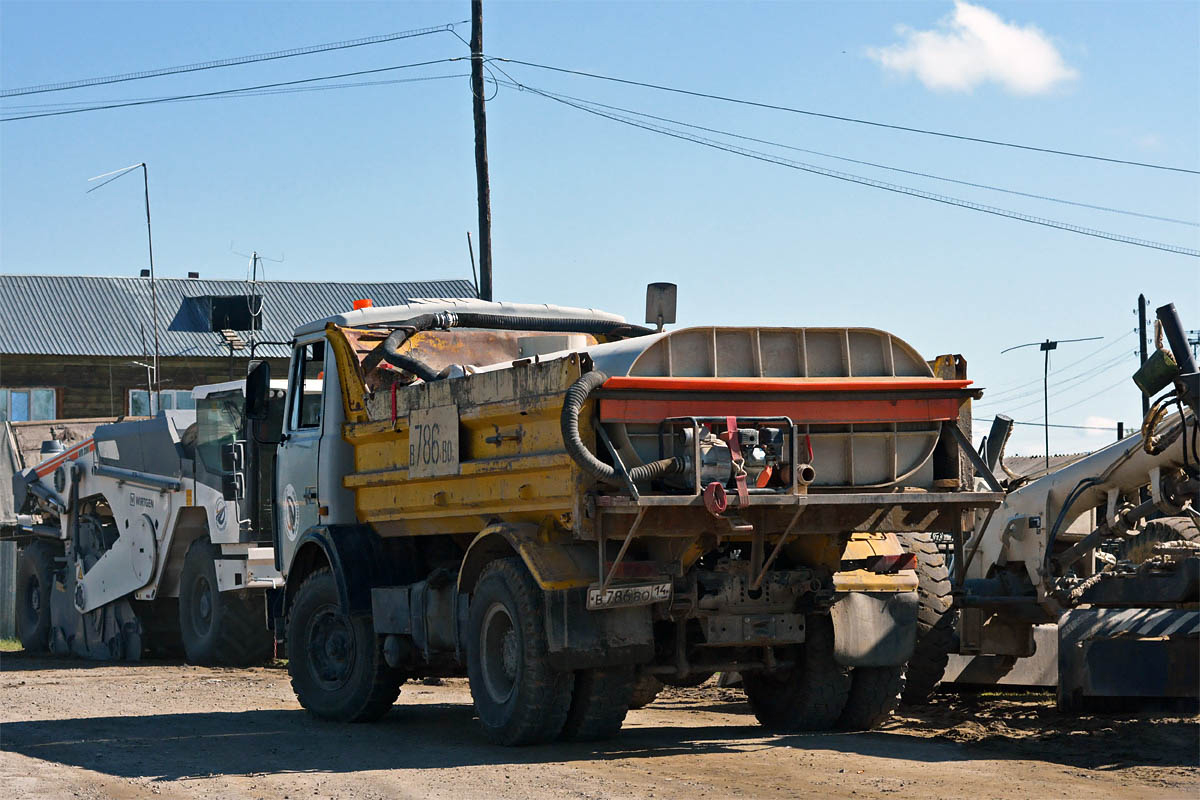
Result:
{"points": [[1157, 531], [874, 695], [219, 629], [336, 660], [936, 621], [519, 697], [645, 689], [599, 702], [35, 580], [808, 697]]}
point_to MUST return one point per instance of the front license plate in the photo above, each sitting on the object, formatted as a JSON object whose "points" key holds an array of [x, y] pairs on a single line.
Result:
{"points": [[642, 594]]}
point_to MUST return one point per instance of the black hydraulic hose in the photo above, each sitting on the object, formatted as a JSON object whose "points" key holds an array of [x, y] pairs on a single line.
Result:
{"points": [[576, 396], [389, 349]]}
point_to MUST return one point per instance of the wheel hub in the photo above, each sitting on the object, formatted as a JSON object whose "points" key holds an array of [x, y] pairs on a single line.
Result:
{"points": [[35, 596], [500, 653], [203, 602], [331, 648]]}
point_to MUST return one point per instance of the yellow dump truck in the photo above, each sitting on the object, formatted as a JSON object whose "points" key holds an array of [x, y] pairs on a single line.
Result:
{"points": [[561, 504]]}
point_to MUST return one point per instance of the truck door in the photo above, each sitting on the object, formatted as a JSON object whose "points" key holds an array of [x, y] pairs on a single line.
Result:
{"points": [[296, 467]]}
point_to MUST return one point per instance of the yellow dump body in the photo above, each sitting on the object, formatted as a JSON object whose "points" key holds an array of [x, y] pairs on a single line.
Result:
{"points": [[455, 455]]}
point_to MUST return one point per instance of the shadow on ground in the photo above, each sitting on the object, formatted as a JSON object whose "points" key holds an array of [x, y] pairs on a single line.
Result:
{"points": [[425, 736]]}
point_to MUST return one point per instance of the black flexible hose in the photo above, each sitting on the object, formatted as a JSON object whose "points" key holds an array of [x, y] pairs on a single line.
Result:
{"points": [[576, 396], [389, 349]]}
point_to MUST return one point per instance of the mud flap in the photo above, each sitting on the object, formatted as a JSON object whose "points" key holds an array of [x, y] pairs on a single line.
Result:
{"points": [[874, 629], [111, 632], [582, 639]]}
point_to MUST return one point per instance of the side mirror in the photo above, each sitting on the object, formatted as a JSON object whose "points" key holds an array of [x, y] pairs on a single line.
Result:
{"points": [[258, 390], [660, 304]]}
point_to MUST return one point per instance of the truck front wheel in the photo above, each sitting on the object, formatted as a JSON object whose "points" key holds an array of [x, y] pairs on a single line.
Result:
{"points": [[35, 578], [519, 697], [336, 660]]}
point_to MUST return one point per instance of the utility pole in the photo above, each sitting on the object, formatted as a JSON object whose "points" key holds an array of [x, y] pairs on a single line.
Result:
{"points": [[1046, 347], [1142, 347], [483, 188], [153, 285], [112, 176]]}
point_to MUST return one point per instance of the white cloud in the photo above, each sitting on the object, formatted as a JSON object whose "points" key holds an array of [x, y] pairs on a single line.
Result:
{"points": [[1107, 425], [972, 46]]}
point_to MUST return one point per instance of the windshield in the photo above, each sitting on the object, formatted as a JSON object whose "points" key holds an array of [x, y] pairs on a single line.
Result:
{"points": [[220, 418]]}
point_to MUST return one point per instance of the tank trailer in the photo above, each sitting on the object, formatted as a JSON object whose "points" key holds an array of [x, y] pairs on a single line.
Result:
{"points": [[559, 503], [153, 536]]}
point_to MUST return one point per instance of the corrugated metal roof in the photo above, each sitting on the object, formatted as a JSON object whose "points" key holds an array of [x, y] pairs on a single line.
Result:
{"points": [[97, 316]]}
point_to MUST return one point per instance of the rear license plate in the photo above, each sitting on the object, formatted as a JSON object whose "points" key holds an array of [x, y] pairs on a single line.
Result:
{"points": [[642, 594]]}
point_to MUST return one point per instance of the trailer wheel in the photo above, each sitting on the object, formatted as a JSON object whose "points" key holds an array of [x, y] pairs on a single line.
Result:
{"points": [[35, 580], [221, 629], [645, 688], [599, 702], [519, 697], [336, 660], [874, 695], [1157, 531], [808, 697], [935, 619]]}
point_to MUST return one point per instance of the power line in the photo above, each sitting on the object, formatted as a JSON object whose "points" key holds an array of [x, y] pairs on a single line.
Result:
{"points": [[1052, 425], [223, 92], [768, 142], [1084, 400], [872, 182], [1063, 387], [1062, 382], [238, 93], [873, 123], [229, 62]]}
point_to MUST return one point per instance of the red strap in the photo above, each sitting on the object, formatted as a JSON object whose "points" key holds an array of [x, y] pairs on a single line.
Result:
{"points": [[714, 499], [739, 463]]}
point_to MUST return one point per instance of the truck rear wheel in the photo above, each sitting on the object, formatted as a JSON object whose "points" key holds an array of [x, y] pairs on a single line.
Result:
{"points": [[519, 697], [808, 697], [219, 629], [935, 619], [336, 660], [35, 579], [599, 702], [874, 695]]}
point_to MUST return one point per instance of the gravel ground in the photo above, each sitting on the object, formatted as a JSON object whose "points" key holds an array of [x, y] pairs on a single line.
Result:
{"points": [[76, 729]]}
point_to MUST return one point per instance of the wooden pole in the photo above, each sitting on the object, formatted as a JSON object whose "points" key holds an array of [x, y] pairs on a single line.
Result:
{"points": [[481, 160]]}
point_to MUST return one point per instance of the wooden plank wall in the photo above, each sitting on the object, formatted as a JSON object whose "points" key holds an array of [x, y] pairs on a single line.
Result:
{"points": [[99, 387]]}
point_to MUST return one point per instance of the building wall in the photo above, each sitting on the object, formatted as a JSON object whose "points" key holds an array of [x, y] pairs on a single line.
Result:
{"points": [[99, 387]]}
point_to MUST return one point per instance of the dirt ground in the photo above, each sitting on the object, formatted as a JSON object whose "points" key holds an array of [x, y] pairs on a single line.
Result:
{"points": [[72, 729]]}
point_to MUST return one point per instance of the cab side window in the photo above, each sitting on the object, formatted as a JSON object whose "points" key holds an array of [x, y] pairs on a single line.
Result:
{"points": [[309, 366]]}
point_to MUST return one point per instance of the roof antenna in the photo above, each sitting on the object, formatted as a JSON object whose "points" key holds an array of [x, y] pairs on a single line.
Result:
{"points": [[474, 277]]}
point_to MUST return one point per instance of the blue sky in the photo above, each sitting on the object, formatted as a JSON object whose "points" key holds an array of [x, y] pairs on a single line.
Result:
{"points": [[377, 183]]}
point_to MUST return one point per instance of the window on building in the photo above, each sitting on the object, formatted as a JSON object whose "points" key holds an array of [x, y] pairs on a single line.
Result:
{"points": [[140, 404], [26, 404], [239, 312]]}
